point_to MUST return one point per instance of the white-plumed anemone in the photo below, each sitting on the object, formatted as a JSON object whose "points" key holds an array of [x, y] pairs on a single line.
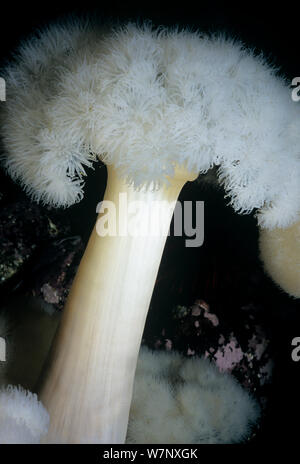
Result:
{"points": [[175, 400], [179, 400], [144, 99], [23, 419]]}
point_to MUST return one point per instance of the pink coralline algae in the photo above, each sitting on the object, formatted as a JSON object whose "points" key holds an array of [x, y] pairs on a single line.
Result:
{"points": [[49, 293], [233, 338], [168, 345], [212, 317], [228, 356]]}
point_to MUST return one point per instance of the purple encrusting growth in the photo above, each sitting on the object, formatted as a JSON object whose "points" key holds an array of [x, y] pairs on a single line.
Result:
{"points": [[228, 356], [243, 351]]}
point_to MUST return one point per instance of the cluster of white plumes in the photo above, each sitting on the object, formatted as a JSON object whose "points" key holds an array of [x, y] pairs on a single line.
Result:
{"points": [[180, 400], [175, 399], [144, 99], [23, 419]]}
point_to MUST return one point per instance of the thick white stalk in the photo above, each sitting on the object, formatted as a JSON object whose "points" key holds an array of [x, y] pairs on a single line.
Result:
{"points": [[87, 385], [280, 254]]}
